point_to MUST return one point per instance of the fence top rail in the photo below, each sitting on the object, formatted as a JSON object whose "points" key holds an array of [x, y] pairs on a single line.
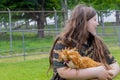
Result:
{"points": [[30, 11], [27, 30], [46, 10]]}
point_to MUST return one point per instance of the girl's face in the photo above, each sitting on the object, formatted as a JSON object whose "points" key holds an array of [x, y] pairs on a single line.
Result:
{"points": [[92, 25]]}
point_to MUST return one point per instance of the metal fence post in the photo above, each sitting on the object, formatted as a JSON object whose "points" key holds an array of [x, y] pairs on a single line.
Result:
{"points": [[23, 45], [56, 21], [10, 30], [103, 27], [119, 37]]}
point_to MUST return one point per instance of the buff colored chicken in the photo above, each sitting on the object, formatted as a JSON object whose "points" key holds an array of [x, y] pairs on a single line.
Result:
{"points": [[74, 60]]}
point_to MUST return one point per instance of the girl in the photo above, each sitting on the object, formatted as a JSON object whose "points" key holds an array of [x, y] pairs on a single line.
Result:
{"points": [[80, 33]]}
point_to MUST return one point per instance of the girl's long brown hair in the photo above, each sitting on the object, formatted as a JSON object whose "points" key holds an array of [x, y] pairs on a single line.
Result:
{"points": [[76, 31]]}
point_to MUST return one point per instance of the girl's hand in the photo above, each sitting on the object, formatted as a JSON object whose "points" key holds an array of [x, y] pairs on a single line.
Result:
{"points": [[103, 74], [115, 69], [112, 72]]}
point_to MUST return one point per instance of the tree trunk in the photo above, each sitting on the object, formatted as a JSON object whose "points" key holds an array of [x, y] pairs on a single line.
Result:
{"points": [[40, 24], [117, 17], [65, 13], [40, 21]]}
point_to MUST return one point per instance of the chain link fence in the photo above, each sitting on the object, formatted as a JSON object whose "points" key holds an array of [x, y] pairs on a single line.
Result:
{"points": [[20, 31]]}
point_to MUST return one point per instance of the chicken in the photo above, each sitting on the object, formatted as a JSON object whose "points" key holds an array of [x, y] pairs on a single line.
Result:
{"points": [[74, 60]]}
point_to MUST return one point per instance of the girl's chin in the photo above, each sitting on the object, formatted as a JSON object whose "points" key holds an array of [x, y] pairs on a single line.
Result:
{"points": [[93, 33]]}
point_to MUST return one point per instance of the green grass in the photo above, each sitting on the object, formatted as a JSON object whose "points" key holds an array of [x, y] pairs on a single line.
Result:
{"points": [[34, 44], [108, 29], [25, 70], [31, 44]]}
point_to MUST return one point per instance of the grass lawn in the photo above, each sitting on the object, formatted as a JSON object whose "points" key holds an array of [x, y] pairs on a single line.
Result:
{"points": [[34, 68], [25, 70]]}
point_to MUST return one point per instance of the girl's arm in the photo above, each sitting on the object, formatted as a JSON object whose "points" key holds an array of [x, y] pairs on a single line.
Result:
{"points": [[115, 69], [82, 74]]}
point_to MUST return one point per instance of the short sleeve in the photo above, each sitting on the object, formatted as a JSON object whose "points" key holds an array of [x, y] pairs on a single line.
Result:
{"points": [[58, 47], [109, 58]]}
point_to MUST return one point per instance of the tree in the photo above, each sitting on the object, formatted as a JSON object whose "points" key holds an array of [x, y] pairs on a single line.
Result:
{"points": [[34, 5]]}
